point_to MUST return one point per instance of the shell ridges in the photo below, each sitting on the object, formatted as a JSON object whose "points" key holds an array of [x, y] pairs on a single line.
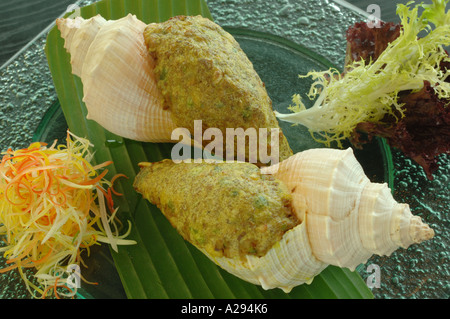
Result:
{"points": [[353, 218], [119, 85]]}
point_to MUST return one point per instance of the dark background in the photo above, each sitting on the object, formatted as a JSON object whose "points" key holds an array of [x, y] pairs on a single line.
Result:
{"points": [[22, 20]]}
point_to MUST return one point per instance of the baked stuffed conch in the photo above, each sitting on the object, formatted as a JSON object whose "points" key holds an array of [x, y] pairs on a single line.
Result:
{"points": [[143, 81], [280, 226]]}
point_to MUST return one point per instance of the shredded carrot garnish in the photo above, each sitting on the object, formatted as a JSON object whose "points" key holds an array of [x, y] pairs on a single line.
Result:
{"points": [[113, 180], [53, 204]]}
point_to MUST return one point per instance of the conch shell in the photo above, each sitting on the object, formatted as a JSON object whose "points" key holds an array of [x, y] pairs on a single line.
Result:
{"points": [[119, 85], [343, 217], [143, 81]]}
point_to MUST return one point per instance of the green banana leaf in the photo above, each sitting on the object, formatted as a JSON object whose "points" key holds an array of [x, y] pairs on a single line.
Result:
{"points": [[162, 264]]}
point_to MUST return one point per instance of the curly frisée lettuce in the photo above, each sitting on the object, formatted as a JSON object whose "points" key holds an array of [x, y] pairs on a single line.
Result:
{"points": [[369, 91], [53, 206]]}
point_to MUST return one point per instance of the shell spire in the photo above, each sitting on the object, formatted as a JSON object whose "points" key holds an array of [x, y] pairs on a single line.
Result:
{"points": [[119, 85], [410, 229], [348, 217]]}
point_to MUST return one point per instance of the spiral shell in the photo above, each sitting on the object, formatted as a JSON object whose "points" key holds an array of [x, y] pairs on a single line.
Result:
{"points": [[119, 85], [356, 218], [144, 81], [344, 217]]}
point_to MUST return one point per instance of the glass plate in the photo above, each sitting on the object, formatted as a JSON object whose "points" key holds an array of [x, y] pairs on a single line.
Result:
{"points": [[278, 62], [27, 92]]}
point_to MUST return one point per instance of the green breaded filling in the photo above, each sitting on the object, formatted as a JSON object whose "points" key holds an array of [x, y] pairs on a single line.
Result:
{"points": [[228, 209], [205, 75]]}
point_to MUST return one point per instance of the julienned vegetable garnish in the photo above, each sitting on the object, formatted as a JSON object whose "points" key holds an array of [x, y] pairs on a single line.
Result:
{"points": [[374, 93], [53, 206]]}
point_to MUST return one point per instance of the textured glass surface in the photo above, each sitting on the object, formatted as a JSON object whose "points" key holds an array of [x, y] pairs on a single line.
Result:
{"points": [[421, 271]]}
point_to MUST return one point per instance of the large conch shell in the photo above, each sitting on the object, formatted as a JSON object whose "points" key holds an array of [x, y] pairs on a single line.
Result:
{"points": [[344, 217], [118, 62], [119, 85]]}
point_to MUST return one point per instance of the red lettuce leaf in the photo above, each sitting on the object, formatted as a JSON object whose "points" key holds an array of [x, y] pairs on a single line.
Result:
{"points": [[423, 133]]}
